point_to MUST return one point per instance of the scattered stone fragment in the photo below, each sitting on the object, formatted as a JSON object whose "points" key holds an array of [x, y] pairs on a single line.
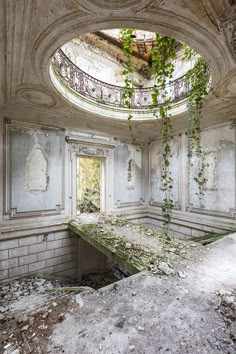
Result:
{"points": [[228, 305], [128, 245], [25, 319], [131, 348], [141, 329], [2, 317], [45, 315], [79, 300], [182, 274], [16, 351], [120, 323], [25, 328], [3, 309], [61, 317], [31, 321], [43, 326], [7, 346], [165, 268], [172, 250]]}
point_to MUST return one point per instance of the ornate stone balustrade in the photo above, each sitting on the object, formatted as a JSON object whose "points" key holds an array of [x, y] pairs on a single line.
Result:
{"points": [[111, 95]]}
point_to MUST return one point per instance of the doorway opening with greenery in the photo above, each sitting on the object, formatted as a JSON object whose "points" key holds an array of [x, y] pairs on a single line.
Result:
{"points": [[89, 172]]}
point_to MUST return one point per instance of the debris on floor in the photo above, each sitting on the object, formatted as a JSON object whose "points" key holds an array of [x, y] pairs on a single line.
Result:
{"points": [[135, 247], [178, 309], [227, 308], [31, 306]]}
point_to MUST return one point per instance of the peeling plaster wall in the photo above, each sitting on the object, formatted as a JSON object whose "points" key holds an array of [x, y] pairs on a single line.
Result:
{"points": [[156, 188], [36, 169], [219, 191], [128, 172]]}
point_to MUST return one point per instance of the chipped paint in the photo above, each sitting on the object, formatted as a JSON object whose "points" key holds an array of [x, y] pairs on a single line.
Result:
{"points": [[37, 170]]}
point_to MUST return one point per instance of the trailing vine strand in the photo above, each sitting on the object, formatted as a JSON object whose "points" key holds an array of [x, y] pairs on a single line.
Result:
{"points": [[128, 39], [197, 77], [163, 55]]}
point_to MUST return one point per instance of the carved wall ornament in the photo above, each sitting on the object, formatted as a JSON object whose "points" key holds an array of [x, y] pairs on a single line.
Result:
{"points": [[65, 6], [36, 96], [114, 5], [89, 150], [84, 150], [154, 4], [228, 23]]}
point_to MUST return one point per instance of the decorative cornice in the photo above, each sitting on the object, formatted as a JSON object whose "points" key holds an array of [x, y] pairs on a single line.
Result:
{"points": [[91, 142]]}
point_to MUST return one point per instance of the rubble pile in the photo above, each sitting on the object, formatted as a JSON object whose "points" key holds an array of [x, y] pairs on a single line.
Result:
{"points": [[139, 246], [25, 328], [24, 287], [227, 308]]}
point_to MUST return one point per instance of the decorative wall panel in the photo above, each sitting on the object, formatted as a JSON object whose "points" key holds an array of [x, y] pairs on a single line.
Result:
{"points": [[128, 176], [34, 169], [156, 189], [219, 190]]}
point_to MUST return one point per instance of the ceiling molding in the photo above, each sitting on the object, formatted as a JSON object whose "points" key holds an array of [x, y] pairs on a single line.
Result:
{"points": [[185, 30], [32, 30], [35, 95]]}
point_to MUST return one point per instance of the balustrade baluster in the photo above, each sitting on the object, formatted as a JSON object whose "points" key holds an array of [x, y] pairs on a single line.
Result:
{"points": [[108, 94]]}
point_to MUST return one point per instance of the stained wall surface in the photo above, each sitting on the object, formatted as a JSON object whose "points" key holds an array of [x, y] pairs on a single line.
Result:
{"points": [[128, 168], [37, 176], [219, 191], [156, 189], [35, 168]]}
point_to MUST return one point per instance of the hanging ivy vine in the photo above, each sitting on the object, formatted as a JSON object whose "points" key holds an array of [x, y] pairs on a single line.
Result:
{"points": [[163, 55], [197, 78], [127, 36]]}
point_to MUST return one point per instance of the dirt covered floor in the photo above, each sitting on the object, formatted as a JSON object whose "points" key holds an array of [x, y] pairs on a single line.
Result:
{"points": [[185, 303]]}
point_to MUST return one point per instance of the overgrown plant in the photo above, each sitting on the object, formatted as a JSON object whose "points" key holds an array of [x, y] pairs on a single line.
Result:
{"points": [[163, 55], [197, 77], [127, 36], [88, 184]]}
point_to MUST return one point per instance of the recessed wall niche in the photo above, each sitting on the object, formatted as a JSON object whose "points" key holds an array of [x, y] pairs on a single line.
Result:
{"points": [[34, 169]]}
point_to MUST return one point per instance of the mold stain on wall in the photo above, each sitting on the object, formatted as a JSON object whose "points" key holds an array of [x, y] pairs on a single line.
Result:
{"points": [[131, 174], [211, 171]]}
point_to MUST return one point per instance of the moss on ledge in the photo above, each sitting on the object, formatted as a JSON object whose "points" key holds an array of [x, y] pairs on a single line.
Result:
{"points": [[132, 257]]}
